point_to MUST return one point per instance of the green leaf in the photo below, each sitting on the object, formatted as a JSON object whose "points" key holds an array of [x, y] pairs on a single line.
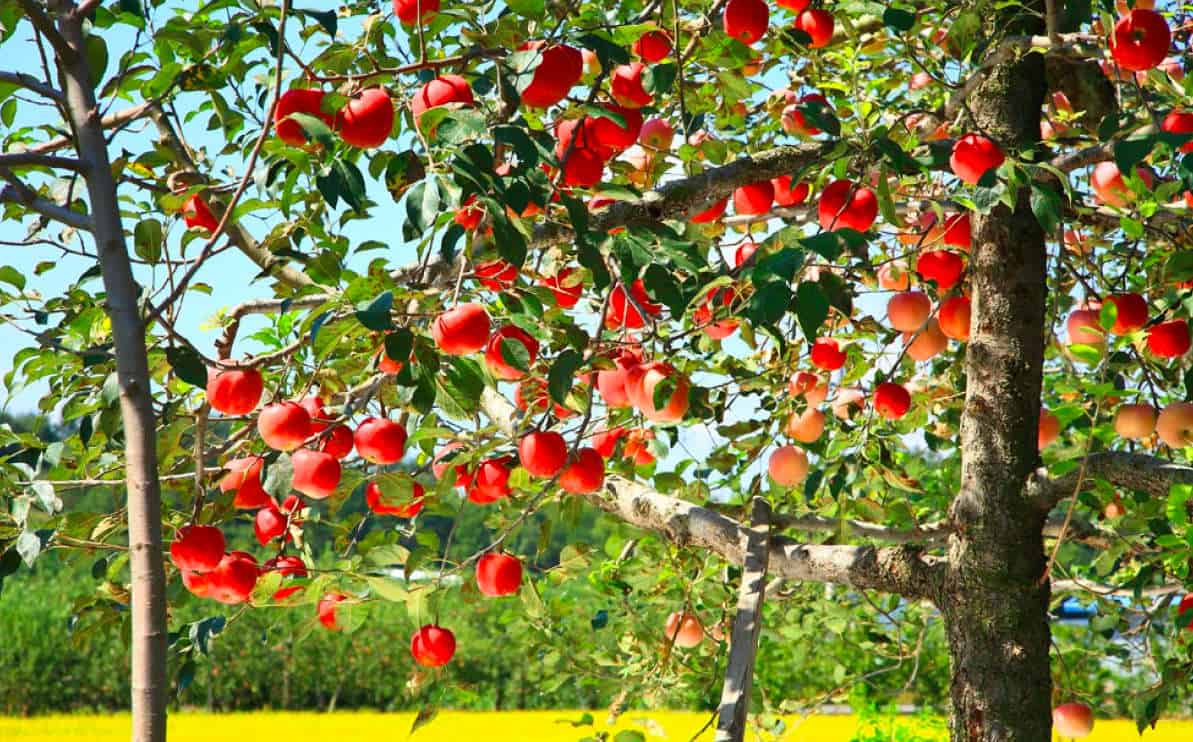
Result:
{"points": [[279, 476], [1176, 507], [659, 78], [426, 715], [562, 374], [661, 286], [826, 244], [314, 128], [460, 126], [609, 53], [462, 382], [399, 344], [1128, 152], [528, 8], [1046, 205], [769, 303], [148, 236], [629, 735], [898, 19], [187, 365], [325, 18], [1108, 315], [12, 276], [811, 308], [375, 314], [515, 353]]}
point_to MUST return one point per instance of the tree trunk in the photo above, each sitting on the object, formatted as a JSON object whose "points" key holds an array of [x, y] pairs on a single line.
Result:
{"points": [[136, 408], [994, 601]]}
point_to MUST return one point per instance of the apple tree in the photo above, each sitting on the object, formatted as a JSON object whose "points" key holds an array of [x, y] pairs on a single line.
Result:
{"points": [[930, 366]]}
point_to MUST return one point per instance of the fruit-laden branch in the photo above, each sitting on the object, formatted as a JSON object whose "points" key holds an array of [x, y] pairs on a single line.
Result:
{"points": [[17, 191], [1136, 471], [896, 569]]}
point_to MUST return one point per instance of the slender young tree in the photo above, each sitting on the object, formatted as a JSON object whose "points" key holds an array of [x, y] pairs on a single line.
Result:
{"points": [[490, 262]]}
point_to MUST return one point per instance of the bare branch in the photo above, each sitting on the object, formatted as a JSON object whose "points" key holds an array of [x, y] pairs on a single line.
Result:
{"points": [[33, 159], [45, 26], [1081, 586], [1136, 471], [29, 82], [111, 121], [20, 193]]}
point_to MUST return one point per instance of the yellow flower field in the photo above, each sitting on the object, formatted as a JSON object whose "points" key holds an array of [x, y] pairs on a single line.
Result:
{"points": [[457, 726]]}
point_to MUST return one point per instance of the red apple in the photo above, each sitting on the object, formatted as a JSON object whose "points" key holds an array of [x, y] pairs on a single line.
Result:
{"points": [[560, 69], [1110, 188], [809, 386], [637, 447], [197, 214], [338, 442], [1135, 421], [326, 610], [443, 90], [746, 20], [567, 286], [197, 548], [1174, 425], [973, 156], [942, 266], [298, 100], [793, 119], [1048, 430], [1168, 339], [611, 383], [1131, 313], [652, 46], [236, 391], [380, 441], [432, 646], [495, 356], [957, 231], [954, 318], [703, 316], [712, 213], [657, 134], [1072, 720], [284, 425], [232, 582], [894, 276], [491, 481], [407, 11], [684, 630], [627, 311], [1141, 39], [788, 193], [818, 24], [1177, 122], [604, 442], [847, 401], [827, 354], [795, 6], [269, 523], [744, 252], [908, 310], [806, 426], [461, 330], [367, 120], [788, 466], [626, 86], [844, 204], [376, 502], [496, 275], [543, 453], [610, 138], [468, 215], [244, 478], [198, 583], [755, 198], [1083, 327], [316, 474], [498, 575], [641, 383], [443, 461], [586, 473], [929, 342]]}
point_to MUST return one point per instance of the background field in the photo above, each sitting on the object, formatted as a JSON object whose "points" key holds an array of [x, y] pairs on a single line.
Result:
{"points": [[513, 726]]}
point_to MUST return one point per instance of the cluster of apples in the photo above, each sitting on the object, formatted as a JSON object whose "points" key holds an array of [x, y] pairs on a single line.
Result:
{"points": [[747, 20], [1163, 338]]}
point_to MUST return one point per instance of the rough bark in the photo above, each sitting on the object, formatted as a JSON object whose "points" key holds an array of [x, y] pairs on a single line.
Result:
{"points": [[132, 369], [1136, 471], [994, 601]]}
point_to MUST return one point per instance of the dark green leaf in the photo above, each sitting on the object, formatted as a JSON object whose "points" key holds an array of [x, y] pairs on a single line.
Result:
{"points": [[562, 374], [769, 303], [375, 314], [1046, 205], [898, 19], [148, 236], [811, 308], [398, 345], [187, 365]]}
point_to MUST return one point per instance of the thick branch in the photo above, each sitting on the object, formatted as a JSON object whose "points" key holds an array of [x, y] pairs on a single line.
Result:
{"points": [[16, 191], [1135, 471], [34, 159], [29, 82], [45, 26]]}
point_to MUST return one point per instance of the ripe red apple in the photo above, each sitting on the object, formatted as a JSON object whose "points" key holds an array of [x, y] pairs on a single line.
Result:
{"points": [[495, 356], [1083, 327], [626, 86], [1174, 425], [244, 478], [827, 354], [793, 119], [443, 461], [498, 575], [586, 473], [1131, 313], [496, 275], [461, 330], [788, 466], [316, 474], [286, 565], [367, 120], [627, 311], [657, 134], [1135, 421], [232, 582], [712, 213], [1072, 720], [1141, 39], [314, 407], [953, 318], [380, 441], [746, 20], [197, 548], [468, 215], [652, 46], [1178, 122], [198, 583], [1048, 430], [582, 164], [284, 425], [795, 6], [908, 310], [432, 646], [376, 503], [407, 11], [1110, 188], [891, 400], [818, 24], [326, 610], [1168, 339], [197, 214], [788, 193], [642, 381], [560, 69], [973, 156], [744, 252], [703, 316], [543, 453], [610, 138], [298, 100], [443, 90], [611, 382], [684, 630], [236, 391], [806, 426], [957, 231], [490, 483], [338, 442], [755, 198], [844, 204], [928, 343], [942, 266], [567, 286], [809, 386], [269, 523]]}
